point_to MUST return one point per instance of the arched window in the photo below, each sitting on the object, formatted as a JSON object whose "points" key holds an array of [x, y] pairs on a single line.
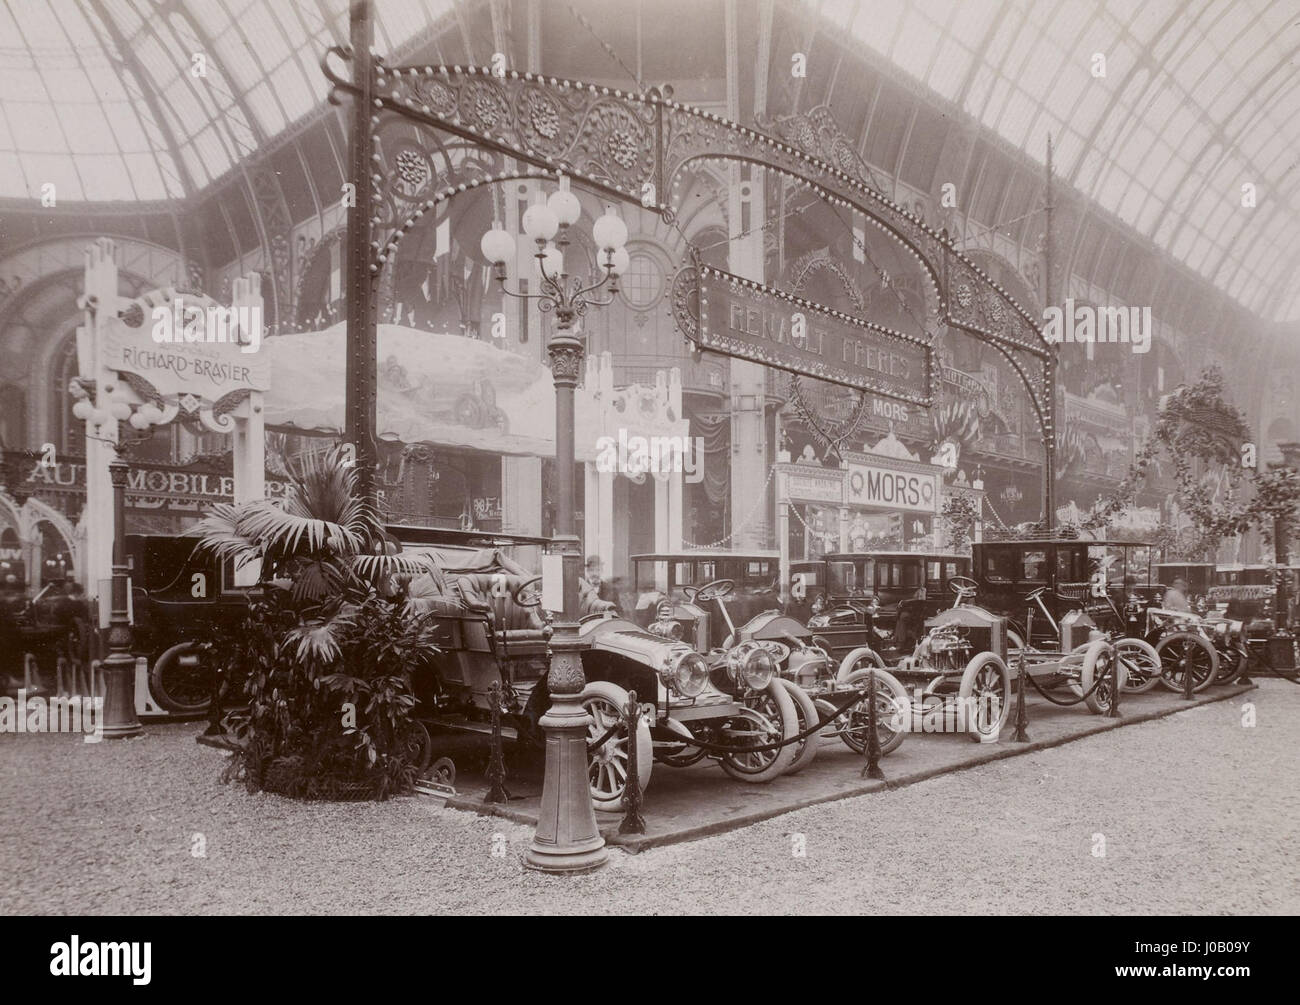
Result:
{"points": [[66, 430]]}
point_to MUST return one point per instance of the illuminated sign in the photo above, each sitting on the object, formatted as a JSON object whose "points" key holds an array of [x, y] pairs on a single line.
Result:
{"points": [[751, 321]]}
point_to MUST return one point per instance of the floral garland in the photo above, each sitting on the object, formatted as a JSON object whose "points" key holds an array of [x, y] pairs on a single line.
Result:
{"points": [[1197, 423], [960, 514]]}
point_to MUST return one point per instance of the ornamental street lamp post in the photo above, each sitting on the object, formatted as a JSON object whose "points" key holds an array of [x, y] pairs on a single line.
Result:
{"points": [[118, 716], [567, 839]]}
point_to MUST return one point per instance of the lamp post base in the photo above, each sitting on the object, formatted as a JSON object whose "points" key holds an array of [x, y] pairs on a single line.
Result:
{"points": [[118, 714], [567, 839]]}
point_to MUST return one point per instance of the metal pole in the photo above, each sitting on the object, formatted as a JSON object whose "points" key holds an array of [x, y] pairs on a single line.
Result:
{"points": [[1049, 367], [1022, 715], [872, 769], [633, 821], [362, 342], [119, 668]]}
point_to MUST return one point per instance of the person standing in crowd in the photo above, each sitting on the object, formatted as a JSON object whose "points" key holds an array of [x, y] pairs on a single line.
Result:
{"points": [[1176, 597], [594, 585]]}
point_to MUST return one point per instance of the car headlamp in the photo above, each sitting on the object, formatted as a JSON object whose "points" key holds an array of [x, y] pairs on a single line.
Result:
{"points": [[685, 672], [752, 665], [819, 621]]}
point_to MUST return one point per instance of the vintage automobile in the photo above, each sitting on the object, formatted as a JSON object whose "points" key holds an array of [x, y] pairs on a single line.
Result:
{"points": [[488, 613], [675, 576], [1199, 577], [817, 683], [1099, 576], [882, 599]]}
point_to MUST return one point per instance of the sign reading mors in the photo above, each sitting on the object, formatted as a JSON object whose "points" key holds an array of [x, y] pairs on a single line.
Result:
{"points": [[751, 321]]}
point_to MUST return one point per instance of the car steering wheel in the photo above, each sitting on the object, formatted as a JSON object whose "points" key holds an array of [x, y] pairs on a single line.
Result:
{"points": [[779, 651], [1035, 594], [716, 590], [963, 586], [528, 593]]}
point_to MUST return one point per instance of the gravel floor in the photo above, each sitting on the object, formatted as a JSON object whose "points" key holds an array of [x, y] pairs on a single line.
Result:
{"points": [[1197, 813]]}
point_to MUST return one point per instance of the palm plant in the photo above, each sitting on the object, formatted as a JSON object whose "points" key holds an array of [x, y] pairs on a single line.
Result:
{"points": [[329, 647]]}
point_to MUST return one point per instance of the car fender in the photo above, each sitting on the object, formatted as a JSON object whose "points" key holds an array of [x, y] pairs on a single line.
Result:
{"points": [[850, 661]]}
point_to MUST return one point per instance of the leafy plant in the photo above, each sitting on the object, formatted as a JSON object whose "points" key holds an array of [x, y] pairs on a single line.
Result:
{"points": [[329, 643]]}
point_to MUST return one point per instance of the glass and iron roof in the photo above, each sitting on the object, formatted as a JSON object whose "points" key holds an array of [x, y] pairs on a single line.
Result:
{"points": [[146, 100], [1198, 99]]}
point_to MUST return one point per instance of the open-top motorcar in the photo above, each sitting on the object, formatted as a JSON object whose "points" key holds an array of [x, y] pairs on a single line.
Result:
{"points": [[818, 685]]}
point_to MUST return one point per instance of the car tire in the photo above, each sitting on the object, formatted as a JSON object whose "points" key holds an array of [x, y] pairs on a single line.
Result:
{"points": [[1141, 665], [180, 682], [891, 712], [806, 713], [1100, 659], [605, 702], [1178, 647], [745, 769], [987, 674]]}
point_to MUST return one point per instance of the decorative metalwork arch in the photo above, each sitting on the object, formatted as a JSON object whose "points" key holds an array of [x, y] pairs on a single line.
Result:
{"points": [[633, 147]]}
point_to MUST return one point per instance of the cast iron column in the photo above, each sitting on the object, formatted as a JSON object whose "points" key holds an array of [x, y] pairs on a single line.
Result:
{"points": [[567, 839], [119, 668], [362, 343]]}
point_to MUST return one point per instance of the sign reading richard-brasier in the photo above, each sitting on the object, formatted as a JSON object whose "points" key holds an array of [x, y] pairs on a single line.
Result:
{"points": [[207, 370], [751, 321]]}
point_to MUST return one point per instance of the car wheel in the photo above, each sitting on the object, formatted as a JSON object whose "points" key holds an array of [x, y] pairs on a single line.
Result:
{"points": [[419, 747], [181, 681], [806, 713], [1100, 661], [1181, 652], [607, 767], [891, 713], [986, 682], [1141, 665], [768, 717], [1232, 664]]}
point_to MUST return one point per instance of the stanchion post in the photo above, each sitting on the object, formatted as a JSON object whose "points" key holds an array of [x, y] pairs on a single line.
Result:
{"points": [[872, 770], [1244, 676], [1116, 686], [214, 704], [1022, 715], [1187, 679], [633, 822], [496, 771]]}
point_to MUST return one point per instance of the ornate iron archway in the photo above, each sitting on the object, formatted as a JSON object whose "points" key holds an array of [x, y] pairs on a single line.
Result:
{"points": [[630, 147]]}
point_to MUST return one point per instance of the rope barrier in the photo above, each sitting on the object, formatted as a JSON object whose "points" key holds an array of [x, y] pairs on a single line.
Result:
{"points": [[758, 502]]}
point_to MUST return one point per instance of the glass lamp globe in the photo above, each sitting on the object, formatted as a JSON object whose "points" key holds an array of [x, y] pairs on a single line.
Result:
{"points": [[139, 421], [609, 231], [83, 409], [617, 261], [552, 261], [120, 410], [564, 204], [540, 222], [498, 246]]}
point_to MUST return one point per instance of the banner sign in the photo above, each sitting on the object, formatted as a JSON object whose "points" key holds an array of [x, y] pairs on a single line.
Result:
{"points": [[751, 321], [1249, 591], [207, 370], [890, 488]]}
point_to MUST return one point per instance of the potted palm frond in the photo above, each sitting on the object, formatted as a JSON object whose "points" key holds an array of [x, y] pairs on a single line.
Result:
{"points": [[329, 643]]}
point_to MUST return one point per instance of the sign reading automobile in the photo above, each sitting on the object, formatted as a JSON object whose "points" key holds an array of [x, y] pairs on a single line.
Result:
{"points": [[756, 322]]}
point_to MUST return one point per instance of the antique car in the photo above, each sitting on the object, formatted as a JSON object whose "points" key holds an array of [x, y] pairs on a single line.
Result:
{"points": [[960, 674], [40, 635], [882, 599], [1199, 577], [487, 609], [1071, 573], [675, 576], [817, 683], [1080, 656]]}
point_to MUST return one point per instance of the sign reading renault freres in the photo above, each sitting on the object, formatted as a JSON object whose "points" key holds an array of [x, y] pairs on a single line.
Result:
{"points": [[755, 322]]}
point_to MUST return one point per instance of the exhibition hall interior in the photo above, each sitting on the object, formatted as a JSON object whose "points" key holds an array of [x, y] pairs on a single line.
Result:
{"points": [[618, 434]]}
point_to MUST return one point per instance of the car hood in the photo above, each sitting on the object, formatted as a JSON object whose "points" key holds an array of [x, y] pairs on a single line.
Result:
{"points": [[618, 635]]}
